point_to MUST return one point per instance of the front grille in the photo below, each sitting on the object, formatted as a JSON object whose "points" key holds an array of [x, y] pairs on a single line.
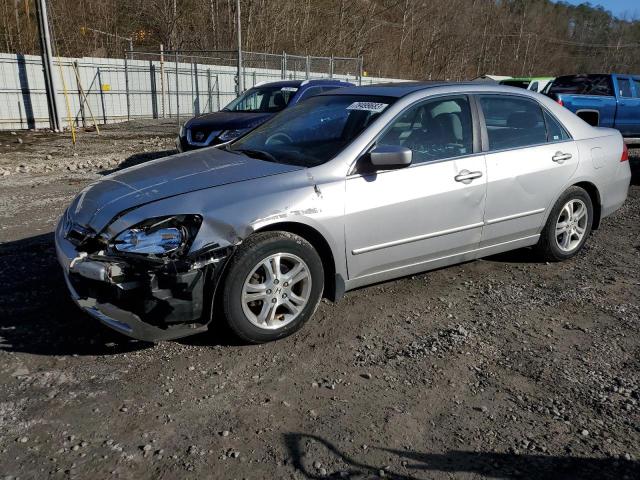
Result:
{"points": [[77, 234], [201, 134]]}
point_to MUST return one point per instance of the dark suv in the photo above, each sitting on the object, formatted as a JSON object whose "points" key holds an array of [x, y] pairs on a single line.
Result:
{"points": [[252, 108]]}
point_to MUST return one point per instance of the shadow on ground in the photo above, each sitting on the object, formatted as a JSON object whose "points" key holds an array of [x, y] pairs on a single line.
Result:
{"points": [[522, 255], [37, 314], [138, 159], [634, 163], [417, 465]]}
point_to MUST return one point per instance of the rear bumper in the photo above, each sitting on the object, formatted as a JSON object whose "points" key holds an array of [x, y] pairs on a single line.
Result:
{"points": [[618, 189], [149, 306]]}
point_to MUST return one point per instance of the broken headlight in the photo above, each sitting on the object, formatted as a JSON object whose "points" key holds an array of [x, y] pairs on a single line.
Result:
{"points": [[159, 236]]}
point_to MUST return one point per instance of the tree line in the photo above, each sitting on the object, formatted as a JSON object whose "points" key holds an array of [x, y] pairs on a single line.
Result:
{"points": [[428, 39]]}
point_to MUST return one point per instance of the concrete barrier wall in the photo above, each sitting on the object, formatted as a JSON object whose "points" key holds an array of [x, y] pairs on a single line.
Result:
{"points": [[154, 91]]}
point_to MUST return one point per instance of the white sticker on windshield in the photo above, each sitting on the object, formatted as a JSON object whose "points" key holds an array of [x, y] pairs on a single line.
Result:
{"points": [[368, 106], [288, 89]]}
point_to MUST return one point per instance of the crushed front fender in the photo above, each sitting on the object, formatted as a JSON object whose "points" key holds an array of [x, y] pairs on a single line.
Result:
{"points": [[144, 299]]}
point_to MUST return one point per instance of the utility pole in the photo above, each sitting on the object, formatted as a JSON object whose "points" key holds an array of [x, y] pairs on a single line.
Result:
{"points": [[19, 36], [47, 64], [173, 37], [239, 33]]}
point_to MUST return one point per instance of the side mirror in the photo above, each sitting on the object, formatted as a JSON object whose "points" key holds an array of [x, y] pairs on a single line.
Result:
{"points": [[389, 157]]}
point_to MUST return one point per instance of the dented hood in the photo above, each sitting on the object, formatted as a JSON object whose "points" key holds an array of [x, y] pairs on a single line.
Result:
{"points": [[101, 201]]}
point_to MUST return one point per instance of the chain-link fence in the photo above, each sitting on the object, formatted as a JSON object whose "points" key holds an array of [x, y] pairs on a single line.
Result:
{"points": [[187, 83], [178, 84], [298, 67], [159, 84]]}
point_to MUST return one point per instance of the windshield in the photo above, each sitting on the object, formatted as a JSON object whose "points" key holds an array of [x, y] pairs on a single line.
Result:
{"points": [[314, 131], [262, 99]]}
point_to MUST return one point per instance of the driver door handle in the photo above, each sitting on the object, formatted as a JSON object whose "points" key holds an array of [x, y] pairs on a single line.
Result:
{"points": [[560, 157], [466, 177]]}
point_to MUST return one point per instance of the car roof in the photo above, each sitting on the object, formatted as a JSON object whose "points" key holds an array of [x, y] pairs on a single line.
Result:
{"points": [[301, 83], [398, 89], [326, 81], [403, 89]]}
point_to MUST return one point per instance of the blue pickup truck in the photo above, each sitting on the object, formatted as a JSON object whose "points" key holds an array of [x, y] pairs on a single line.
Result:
{"points": [[604, 100]]}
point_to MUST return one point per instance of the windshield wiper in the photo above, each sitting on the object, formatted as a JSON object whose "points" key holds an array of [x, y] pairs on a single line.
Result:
{"points": [[259, 154]]}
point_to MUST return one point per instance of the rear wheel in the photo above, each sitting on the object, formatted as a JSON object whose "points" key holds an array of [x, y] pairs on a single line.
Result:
{"points": [[273, 286], [568, 226]]}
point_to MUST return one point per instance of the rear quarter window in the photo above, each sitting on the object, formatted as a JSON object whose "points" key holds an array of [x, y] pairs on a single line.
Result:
{"points": [[555, 131]]}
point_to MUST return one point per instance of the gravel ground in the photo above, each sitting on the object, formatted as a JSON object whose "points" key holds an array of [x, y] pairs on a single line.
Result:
{"points": [[506, 367]]}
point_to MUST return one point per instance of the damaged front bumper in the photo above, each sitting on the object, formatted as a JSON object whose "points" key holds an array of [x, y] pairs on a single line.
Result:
{"points": [[146, 301]]}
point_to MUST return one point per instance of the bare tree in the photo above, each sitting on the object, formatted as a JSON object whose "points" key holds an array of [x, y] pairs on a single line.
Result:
{"points": [[421, 39]]}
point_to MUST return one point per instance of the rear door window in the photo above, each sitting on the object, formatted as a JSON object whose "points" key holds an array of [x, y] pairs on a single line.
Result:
{"points": [[636, 83], [513, 122]]}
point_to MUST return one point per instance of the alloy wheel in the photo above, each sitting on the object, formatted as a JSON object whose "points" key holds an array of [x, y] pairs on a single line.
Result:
{"points": [[571, 225], [276, 291]]}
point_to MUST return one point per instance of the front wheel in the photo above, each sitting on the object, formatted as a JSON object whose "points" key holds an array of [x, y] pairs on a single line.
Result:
{"points": [[273, 286], [568, 226]]}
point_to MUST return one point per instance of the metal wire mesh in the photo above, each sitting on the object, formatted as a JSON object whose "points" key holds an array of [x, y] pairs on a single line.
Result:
{"points": [[152, 84], [188, 83]]}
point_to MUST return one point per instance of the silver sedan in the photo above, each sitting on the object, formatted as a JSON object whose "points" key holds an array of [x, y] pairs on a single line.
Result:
{"points": [[349, 188]]}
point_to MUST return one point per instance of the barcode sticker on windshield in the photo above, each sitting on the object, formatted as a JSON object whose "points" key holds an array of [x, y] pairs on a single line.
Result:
{"points": [[368, 106], [289, 89]]}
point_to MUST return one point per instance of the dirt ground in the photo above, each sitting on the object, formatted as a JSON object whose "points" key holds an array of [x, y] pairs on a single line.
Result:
{"points": [[506, 367]]}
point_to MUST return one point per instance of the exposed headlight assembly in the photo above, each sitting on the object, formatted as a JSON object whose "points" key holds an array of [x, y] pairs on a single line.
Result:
{"points": [[229, 135], [158, 242], [159, 236]]}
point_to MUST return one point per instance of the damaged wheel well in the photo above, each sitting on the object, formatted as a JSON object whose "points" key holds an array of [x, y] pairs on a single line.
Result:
{"points": [[333, 285]]}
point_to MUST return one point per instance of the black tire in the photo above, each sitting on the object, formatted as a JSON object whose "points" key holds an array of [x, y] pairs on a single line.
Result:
{"points": [[250, 254], [548, 245]]}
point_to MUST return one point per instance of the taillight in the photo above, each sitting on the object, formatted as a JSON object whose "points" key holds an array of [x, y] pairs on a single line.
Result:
{"points": [[560, 102], [625, 153]]}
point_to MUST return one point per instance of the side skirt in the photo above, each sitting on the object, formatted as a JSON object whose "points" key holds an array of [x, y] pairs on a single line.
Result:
{"points": [[441, 262]]}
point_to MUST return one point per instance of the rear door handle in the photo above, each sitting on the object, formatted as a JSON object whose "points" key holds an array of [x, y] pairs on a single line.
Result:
{"points": [[560, 157], [466, 177]]}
